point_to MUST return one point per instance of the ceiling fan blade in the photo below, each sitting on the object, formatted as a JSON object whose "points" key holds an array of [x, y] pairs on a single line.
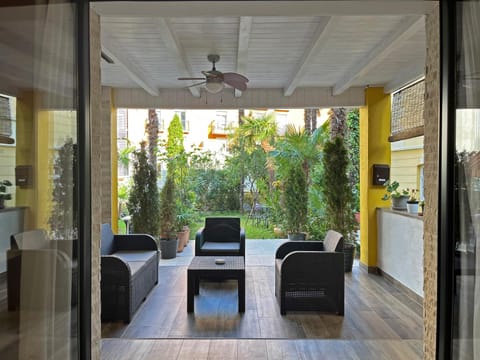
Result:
{"points": [[189, 86], [235, 80], [190, 78], [234, 76], [213, 74]]}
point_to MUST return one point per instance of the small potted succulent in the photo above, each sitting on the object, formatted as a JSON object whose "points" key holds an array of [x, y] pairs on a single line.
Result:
{"points": [[399, 197], [412, 202], [3, 192]]}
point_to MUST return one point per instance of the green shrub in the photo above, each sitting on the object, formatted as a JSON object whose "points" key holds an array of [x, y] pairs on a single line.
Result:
{"points": [[295, 200], [168, 215], [336, 189], [143, 201]]}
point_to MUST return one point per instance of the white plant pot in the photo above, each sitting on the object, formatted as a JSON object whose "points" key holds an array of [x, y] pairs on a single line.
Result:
{"points": [[412, 208]]}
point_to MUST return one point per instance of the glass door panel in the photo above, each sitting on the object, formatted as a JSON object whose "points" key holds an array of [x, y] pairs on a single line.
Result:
{"points": [[466, 316], [38, 173]]}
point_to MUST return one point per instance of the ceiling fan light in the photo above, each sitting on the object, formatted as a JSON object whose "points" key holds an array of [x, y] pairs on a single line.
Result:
{"points": [[214, 86]]}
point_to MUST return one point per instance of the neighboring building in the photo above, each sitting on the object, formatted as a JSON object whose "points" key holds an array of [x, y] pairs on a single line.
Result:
{"points": [[207, 129]]}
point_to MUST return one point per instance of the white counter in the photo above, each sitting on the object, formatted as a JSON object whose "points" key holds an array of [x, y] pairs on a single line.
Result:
{"points": [[400, 247], [11, 222]]}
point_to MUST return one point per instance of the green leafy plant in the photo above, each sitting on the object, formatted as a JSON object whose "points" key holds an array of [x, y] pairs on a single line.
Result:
{"points": [[143, 201], [3, 191], [168, 216], [391, 187]]}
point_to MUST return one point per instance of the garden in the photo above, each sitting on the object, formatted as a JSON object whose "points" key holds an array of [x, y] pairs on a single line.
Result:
{"points": [[297, 185]]}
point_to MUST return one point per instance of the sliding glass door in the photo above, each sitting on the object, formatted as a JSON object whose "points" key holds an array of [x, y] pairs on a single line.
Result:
{"points": [[459, 261], [42, 149]]}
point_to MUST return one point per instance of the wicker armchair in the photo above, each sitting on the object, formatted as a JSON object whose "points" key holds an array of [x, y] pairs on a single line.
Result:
{"points": [[221, 236], [309, 275]]}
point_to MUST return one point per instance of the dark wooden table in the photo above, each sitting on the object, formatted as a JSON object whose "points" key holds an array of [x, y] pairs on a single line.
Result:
{"points": [[204, 268]]}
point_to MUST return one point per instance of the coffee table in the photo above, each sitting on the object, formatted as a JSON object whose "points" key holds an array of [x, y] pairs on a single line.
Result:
{"points": [[204, 268]]}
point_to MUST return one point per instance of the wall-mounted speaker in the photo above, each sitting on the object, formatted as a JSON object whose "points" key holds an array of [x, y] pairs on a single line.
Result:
{"points": [[381, 173]]}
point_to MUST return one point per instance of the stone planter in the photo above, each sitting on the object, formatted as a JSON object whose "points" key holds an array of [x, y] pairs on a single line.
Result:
{"points": [[412, 208], [297, 236], [349, 255], [168, 248], [399, 203]]}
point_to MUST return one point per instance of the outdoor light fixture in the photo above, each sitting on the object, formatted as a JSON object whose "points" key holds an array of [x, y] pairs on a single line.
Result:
{"points": [[214, 85]]}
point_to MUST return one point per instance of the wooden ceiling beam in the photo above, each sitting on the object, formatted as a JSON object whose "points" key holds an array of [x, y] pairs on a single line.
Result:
{"points": [[112, 50], [262, 8], [244, 30], [405, 77], [174, 47], [391, 41], [319, 39]]}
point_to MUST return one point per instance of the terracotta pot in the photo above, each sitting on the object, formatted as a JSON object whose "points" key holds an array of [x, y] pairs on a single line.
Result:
{"points": [[183, 237], [279, 232]]}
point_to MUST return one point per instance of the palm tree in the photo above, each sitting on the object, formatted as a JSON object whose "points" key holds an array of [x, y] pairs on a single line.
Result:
{"points": [[251, 140], [310, 119], [338, 122], [299, 147], [152, 133]]}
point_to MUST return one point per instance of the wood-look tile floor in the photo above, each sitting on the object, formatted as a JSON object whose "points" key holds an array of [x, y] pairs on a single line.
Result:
{"points": [[226, 349], [374, 309]]}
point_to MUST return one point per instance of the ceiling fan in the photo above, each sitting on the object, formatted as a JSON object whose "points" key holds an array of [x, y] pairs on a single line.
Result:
{"points": [[214, 80]]}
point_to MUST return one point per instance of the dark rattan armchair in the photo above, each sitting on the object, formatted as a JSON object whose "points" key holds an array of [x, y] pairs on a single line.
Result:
{"points": [[309, 275], [221, 236]]}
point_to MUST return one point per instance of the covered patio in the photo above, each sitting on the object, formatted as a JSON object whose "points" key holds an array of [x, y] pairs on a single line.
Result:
{"points": [[377, 315], [297, 57]]}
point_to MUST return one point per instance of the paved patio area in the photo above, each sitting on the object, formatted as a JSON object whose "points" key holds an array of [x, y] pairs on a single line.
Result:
{"points": [[374, 308]]}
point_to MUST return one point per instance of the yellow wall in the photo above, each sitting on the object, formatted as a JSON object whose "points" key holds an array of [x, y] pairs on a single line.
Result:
{"points": [[374, 149], [42, 169], [25, 153]]}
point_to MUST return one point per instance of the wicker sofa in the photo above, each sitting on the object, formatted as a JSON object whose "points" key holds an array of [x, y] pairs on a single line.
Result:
{"points": [[129, 269], [309, 275]]}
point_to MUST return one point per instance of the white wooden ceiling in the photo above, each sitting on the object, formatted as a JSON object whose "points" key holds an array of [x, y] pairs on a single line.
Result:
{"points": [[283, 45]]}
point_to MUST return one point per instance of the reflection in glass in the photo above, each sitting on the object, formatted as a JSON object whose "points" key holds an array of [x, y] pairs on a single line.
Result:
{"points": [[38, 229], [467, 185]]}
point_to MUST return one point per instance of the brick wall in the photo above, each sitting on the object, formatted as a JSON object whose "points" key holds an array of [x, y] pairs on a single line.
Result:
{"points": [[96, 168], [431, 141]]}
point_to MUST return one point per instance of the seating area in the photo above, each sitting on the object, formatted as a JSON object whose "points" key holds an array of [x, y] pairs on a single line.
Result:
{"points": [[374, 308], [221, 236], [309, 275], [129, 269]]}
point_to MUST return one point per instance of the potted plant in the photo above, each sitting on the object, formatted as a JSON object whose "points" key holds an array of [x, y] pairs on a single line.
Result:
{"points": [[412, 202], [168, 234], [338, 198], [3, 192], [421, 206], [183, 230], [399, 197], [296, 203]]}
